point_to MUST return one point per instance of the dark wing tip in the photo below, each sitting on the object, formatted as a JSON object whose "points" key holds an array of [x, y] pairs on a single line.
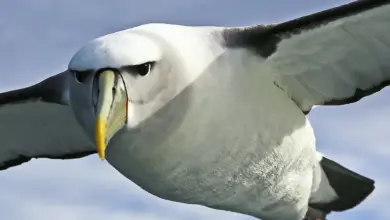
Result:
{"points": [[350, 187]]}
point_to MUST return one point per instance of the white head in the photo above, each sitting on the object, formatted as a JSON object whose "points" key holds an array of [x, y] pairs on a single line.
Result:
{"points": [[123, 78]]}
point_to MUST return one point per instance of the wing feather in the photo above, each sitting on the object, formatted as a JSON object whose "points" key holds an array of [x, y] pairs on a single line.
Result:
{"points": [[36, 122], [334, 57]]}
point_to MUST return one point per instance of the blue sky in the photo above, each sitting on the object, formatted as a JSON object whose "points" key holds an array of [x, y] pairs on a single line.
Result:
{"points": [[37, 39]]}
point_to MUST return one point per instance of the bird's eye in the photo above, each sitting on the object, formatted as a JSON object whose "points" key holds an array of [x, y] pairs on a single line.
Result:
{"points": [[80, 76], [143, 69]]}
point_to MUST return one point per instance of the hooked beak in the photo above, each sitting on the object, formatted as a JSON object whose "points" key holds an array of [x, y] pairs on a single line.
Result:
{"points": [[111, 111]]}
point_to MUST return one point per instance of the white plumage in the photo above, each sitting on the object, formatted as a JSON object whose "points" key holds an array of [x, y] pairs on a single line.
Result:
{"points": [[209, 115]]}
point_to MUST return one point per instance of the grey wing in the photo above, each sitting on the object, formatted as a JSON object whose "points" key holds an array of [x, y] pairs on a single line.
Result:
{"points": [[36, 122], [333, 57]]}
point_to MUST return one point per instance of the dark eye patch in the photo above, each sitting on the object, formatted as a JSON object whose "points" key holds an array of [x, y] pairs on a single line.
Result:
{"points": [[141, 69], [80, 76]]}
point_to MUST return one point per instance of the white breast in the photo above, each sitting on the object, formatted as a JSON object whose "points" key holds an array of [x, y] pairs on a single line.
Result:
{"points": [[232, 140]]}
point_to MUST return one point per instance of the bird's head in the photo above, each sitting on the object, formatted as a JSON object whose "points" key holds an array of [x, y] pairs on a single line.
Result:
{"points": [[119, 80]]}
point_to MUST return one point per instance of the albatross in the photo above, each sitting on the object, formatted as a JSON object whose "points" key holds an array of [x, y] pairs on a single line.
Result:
{"points": [[215, 116]]}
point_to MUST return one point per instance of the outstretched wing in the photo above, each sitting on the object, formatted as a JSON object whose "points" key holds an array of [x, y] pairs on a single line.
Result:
{"points": [[333, 57], [36, 122]]}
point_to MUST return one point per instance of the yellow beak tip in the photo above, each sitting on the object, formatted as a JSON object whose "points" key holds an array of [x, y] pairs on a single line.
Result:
{"points": [[101, 157], [101, 136]]}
